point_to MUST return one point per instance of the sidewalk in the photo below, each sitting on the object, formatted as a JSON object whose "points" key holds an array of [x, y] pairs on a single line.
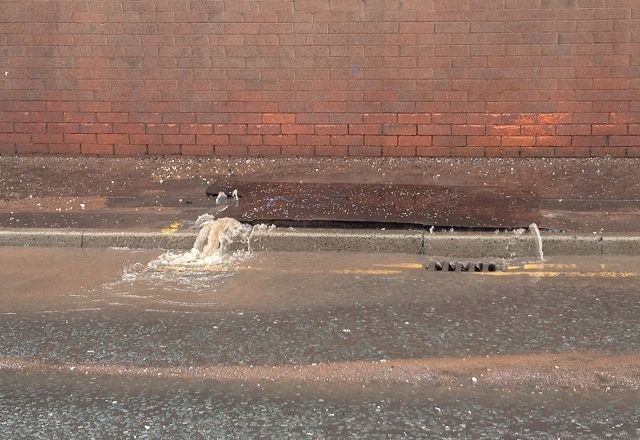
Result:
{"points": [[586, 207]]}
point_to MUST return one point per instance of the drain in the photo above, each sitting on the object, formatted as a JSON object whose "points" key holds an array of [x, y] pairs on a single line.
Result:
{"points": [[464, 266]]}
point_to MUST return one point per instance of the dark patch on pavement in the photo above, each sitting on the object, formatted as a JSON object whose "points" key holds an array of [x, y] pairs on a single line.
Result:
{"points": [[425, 205]]}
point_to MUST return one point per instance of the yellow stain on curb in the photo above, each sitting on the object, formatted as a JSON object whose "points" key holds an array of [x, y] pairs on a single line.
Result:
{"points": [[402, 265], [527, 270], [172, 229], [543, 266], [550, 274], [227, 269]]}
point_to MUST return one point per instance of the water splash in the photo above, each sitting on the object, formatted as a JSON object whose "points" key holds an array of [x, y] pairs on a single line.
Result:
{"points": [[534, 228], [212, 245]]}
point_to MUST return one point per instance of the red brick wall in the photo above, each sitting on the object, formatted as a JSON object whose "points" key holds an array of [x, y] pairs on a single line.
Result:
{"points": [[320, 77]]}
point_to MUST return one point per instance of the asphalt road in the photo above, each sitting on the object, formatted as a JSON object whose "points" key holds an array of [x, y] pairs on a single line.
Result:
{"points": [[96, 344]]}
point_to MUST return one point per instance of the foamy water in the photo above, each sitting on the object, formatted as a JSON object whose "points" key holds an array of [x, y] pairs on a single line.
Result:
{"points": [[186, 279]]}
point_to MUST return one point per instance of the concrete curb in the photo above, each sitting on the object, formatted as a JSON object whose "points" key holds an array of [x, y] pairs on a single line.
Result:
{"points": [[442, 244]]}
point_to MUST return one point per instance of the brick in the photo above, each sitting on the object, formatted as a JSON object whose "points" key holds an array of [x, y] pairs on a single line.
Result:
{"points": [[264, 129], [399, 151], [178, 139], [332, 129], [129, 128], [537, 151], [279, 118], [95, 128], [467, 151], [503, 130], [484, 141], [399, 129], [518, 141], [145, 139], [608, 151], [230, 129], [538, 130], [375, 129], [240, 139], [164, 149], [449, 118], [298, 150], [231, 150], [279, 139], [197, 150], [163, 128], [383, 141], [449, 141], [502, 151], [553, 141], [414, 118], [624, 141], [30, 127], [609, 129], [130, 150], [112, 138], [471, 130], [365, 151], [65, 149], [97, 149], [349, 140], [265, 150], [298, 129], [212, 139], [76, 138], [380, 118], [416, 141], [32, 148], [433, 152], [331, 150], [588, 141], [434, 130]]}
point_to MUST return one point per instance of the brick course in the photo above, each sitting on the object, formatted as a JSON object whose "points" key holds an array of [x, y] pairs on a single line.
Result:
{"points": [[528, 78]]}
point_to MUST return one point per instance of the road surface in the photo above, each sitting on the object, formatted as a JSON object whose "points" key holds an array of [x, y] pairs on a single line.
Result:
{"points": [[94, 343]]}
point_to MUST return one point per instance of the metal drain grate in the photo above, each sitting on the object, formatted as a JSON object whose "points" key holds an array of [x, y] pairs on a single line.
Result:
{"points": [[464, 266]]}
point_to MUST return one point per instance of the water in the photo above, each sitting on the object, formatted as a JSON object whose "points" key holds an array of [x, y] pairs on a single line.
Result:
{"points": [[212, 245]]}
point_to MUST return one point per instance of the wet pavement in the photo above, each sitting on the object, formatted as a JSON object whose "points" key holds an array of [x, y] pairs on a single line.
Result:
{"points": [[96, 344], [375, 203], [581, 195]]}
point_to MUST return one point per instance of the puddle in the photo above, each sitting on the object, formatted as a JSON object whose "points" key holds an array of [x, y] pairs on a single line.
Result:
{"points": [[186, 279]]}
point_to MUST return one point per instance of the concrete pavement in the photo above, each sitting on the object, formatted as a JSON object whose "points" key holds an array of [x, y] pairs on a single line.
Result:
{"points": [[582, 206]]}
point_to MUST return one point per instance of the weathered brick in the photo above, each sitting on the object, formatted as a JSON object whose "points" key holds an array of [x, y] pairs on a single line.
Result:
{"points": [[340, 77]]}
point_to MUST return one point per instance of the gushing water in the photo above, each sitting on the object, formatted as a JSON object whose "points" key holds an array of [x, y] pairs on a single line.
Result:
{"points": [[212, 245], [534, 228]]}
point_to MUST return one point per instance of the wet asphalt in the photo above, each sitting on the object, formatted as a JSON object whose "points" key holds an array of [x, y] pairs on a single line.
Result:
{"points": [[95, 344]]}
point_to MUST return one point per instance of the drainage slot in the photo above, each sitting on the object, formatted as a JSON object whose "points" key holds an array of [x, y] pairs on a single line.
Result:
{"points": [[465, 266]]}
